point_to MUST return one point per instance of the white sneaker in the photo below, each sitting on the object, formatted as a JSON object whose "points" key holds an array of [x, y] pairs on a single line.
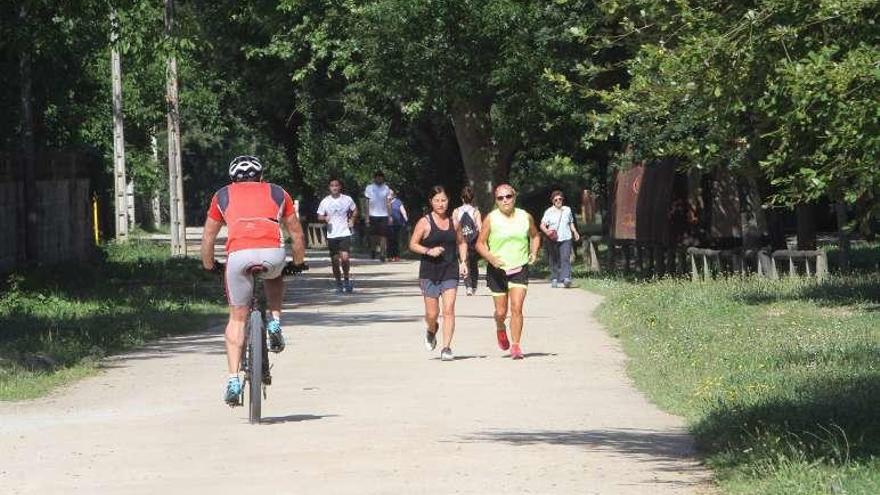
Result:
{"points": [[469, 291], [446, 354]]}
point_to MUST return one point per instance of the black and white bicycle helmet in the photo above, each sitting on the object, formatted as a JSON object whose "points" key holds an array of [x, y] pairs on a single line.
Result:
{"points": [[245, 168]]}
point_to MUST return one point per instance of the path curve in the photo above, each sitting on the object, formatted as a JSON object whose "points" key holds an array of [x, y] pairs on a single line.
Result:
{"points": [[359, 407]]}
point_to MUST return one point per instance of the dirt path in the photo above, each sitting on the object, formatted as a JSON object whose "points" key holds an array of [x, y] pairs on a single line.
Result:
{"points": [[359, 407]]}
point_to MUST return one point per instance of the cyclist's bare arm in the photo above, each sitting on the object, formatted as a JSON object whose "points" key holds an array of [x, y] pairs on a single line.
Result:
{"points": [[298, 239], [209, 235]]}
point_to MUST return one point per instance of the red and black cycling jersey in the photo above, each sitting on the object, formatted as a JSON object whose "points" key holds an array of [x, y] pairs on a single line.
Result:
{"points": [[252, 212]]}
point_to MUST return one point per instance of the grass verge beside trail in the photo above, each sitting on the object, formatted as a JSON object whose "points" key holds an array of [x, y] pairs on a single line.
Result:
{"points": [[779, 380], [57, 322]]}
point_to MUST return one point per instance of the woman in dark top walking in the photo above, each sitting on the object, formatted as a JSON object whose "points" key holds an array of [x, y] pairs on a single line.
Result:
{"points": [[436, 238]]}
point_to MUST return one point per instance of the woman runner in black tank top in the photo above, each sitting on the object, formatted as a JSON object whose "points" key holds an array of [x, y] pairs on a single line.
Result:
{"points": [[443, 267], [436, 239]]}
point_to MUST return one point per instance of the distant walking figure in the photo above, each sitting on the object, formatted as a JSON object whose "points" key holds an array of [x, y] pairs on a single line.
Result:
{"points": [[436, 239], [509, 242], [468, 220], [378, 201], [398, 219], [340, 213], [559, 227]]}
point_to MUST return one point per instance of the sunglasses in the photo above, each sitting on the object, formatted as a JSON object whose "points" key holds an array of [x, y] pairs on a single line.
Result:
{"points": [[504, 196], [557, 198]]}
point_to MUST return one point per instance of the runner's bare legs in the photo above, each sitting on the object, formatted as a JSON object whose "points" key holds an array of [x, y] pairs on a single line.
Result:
{"points": [[448, 300], [517, 296]]}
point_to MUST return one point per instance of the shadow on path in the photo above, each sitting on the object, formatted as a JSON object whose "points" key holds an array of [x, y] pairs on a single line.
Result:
{"points": [[667, 449], [294, 418]]}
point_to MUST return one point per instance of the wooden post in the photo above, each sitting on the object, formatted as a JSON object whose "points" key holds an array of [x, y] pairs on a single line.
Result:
{"points": [[30, 220], [842, 237], [594, 257], [821, 265], [155, 204], [119, 183], [175, 175]]}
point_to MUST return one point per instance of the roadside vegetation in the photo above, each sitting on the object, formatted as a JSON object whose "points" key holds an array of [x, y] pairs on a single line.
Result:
{"points": [[57, 322], [778, 380]]}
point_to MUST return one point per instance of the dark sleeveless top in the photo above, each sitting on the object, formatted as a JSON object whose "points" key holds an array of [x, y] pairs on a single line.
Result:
{"points": [[443, 267]]}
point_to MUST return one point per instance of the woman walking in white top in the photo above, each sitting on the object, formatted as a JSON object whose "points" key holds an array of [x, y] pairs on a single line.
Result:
{"points": [[467, 218], [559, 227]]}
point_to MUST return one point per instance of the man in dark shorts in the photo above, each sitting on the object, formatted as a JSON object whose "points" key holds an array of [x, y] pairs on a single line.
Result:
{"points": [[340, 213], [378, 196]]}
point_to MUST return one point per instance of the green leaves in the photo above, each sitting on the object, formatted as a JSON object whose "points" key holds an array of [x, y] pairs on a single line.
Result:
{"points": [[792, 82]]}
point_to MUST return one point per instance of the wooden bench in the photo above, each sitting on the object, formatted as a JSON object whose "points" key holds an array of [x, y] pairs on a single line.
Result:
{"points": [[794, 257], [316, 235]]}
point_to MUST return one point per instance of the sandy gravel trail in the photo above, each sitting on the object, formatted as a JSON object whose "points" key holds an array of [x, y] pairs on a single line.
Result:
{"points": [[360, 407]]}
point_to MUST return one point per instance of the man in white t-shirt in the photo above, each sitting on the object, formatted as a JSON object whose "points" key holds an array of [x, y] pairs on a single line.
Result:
{"points": [[340, 213], [378, 205]]}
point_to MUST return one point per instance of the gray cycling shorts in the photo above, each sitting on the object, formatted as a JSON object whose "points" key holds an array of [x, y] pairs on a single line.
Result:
{"points": [[240, 284]]}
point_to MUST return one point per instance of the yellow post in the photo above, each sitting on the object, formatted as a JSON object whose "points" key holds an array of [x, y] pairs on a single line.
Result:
{"points": [[95, 219]]}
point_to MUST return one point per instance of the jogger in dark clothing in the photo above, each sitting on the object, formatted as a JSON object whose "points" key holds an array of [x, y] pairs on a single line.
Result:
{"points": [[468, 220]]}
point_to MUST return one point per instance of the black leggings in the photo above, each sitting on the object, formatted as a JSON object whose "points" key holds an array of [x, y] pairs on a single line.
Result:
{"points": [[473, 273]]}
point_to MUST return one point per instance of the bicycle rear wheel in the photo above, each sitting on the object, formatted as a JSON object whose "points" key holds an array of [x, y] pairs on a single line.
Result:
{"points": [[256, 339]]}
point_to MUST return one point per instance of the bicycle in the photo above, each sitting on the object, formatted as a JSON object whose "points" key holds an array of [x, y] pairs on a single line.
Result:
{"points": [[255, 364]]}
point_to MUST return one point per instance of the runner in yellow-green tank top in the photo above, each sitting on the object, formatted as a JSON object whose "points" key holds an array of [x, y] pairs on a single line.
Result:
{"points": [[509, 242]]}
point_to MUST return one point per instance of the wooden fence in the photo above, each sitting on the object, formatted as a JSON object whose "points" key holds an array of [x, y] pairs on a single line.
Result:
{"points": [[62, 209]]}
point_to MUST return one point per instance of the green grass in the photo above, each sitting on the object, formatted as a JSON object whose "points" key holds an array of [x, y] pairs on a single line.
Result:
{"points": [[778, 380], [57, 322]]}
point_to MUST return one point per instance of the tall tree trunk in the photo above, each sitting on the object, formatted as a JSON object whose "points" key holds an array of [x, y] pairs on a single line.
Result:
{"points": [[30, 221], [119, 183], [175, 176], [485, 157]]}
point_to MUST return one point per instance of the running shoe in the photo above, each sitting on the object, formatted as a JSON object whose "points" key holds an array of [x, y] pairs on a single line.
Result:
{"points": [[567, 283], [431, 340], [276, 339], [516, 352], [339, 287], [446, 354], [347, 285], [232, 395], [503, 343], [553, 283], [469, 291]]}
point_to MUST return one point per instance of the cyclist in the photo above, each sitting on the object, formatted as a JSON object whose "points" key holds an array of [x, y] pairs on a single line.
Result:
{"points": [[252, 211], [340, 213]]}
